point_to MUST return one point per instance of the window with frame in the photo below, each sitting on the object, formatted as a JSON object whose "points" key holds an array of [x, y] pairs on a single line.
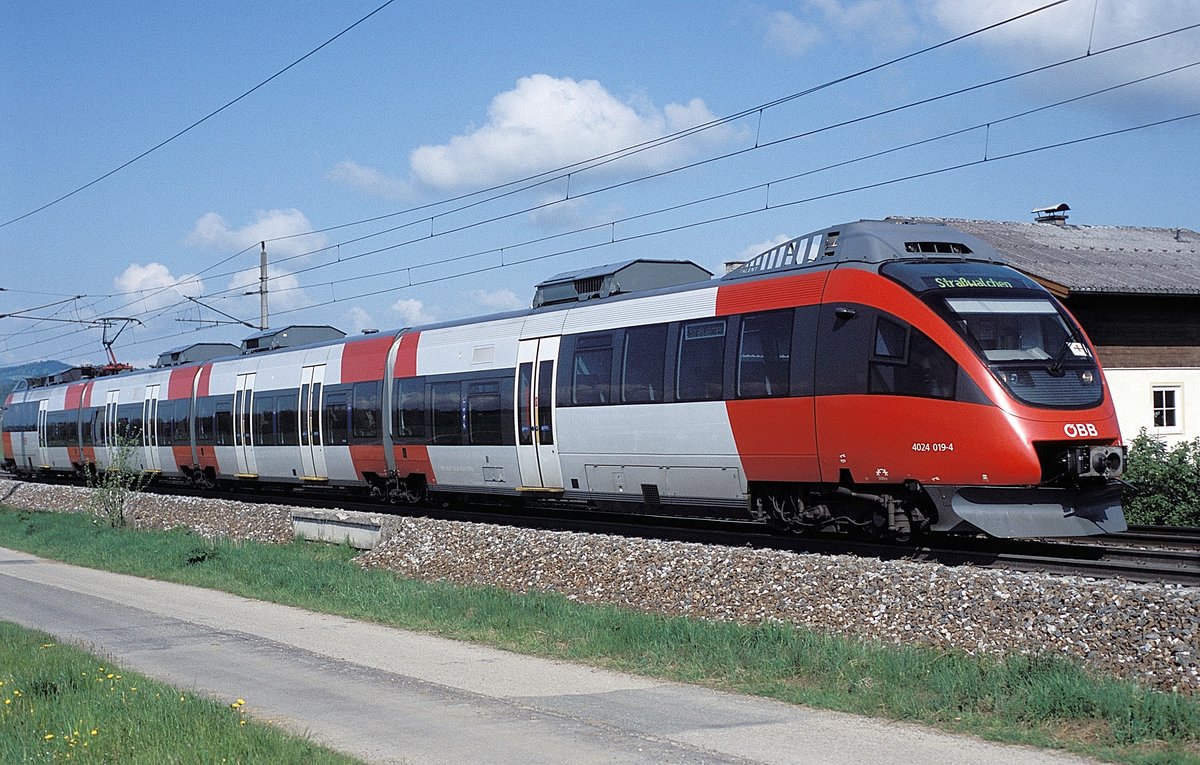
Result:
{"points": [[905, 362], [591, 369], [483, 413], [263, 420], [1166, 407], [408, 408], [367, 411], [336, 414], [765, 355], [700, 370], [642, 364], [446, 402]]}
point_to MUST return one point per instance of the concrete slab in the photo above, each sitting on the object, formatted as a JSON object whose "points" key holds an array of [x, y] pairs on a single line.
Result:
{"points": [[391, 696]]}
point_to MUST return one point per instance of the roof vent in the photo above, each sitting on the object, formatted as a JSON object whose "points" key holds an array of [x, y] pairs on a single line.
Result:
{"points": [[617, 278], [1055, 215]]}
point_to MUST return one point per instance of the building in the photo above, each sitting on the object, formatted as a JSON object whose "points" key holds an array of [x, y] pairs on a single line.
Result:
{"points": [[1135, 291]]}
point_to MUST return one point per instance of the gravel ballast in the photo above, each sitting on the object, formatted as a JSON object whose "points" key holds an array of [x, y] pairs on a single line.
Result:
{"points": [[1147, 632]]}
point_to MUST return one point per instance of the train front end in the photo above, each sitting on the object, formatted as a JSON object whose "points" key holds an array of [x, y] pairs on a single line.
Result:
{"points": [[1059, 446]]}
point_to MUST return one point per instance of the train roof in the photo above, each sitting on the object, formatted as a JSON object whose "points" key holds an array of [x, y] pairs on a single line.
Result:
{"points": [[869, 241]]}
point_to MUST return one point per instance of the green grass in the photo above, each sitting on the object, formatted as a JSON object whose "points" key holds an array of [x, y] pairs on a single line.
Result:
{"points": [[1040, 701], [62, 704]]}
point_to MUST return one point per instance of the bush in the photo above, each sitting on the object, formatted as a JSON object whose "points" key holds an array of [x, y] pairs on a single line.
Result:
{"points": [[1167, 481]]}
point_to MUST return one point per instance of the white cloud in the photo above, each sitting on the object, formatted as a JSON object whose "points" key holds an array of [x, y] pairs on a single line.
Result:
{"points": [[360, 320], [1067, 30], [499, 300], [412, 312], [888, 22], [369, 180], [789, 35], [283, 293], [547, 122], [213, 232], [156, 285], [754, 250]]}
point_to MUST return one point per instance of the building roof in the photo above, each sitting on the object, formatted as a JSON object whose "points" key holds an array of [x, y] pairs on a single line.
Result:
{"points": [[1116, 260]]}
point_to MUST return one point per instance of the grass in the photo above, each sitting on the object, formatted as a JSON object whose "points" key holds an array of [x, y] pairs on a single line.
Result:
{"points": [[1043, 701], [63, 704]]}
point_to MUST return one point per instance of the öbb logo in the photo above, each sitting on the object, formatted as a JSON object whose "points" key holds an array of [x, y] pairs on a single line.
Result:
{"points": [[1080, 429]]}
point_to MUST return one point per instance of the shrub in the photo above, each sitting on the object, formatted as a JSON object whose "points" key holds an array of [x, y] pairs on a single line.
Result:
{"points": [[1167, 481]]}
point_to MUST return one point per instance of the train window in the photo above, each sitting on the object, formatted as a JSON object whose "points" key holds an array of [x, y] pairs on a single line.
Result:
{"points": [[928, 371], [164, 419], [642, 364], [367, 411], [336, 413], [263, 420], [408, 408], [87, 421], [180, 432], [765, 355], [890, 339], [483, 413], [447, 412], [223, 421], [287, 422], [701, 367], [205, 430], [591, 369]]}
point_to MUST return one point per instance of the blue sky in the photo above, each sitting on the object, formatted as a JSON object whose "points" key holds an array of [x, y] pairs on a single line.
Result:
{"points": [[425, 102]]}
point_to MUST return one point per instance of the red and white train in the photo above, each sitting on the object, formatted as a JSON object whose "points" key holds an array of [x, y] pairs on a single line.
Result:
{"points": [[893, 376]]}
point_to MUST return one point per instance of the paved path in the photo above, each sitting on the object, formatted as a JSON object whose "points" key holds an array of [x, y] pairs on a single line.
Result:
{"points": [[390, 696]]}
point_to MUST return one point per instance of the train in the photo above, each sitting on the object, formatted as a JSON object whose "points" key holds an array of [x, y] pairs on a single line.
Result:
{"points": [[887, 377]]}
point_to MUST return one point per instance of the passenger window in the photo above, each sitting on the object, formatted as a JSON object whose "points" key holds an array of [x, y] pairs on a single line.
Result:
{"points": [[765, 355], [701, 368], [922, 369], [367, 411], [223, 415], [890, 339], [287, 420], [447, 413], [264, 420], [483, 412], [336, 431], [408, 408], [591, 369], [642, 364]]}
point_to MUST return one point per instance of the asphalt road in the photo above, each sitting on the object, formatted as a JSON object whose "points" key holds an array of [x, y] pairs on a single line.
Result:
{"points": [[389, 696]]}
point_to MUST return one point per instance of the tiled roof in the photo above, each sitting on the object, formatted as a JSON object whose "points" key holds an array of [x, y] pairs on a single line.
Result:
{"points": [[1097, 259]]}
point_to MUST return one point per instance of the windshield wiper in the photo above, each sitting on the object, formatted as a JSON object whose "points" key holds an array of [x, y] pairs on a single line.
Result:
{"points": [[1055, 369]]}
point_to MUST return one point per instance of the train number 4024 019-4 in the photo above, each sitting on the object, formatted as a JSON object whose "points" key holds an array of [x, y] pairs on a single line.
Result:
{"points": [[924, 446]]}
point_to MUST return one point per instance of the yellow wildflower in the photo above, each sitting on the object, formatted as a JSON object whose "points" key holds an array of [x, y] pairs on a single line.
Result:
{"points": [[48, 736], [94, 731]]}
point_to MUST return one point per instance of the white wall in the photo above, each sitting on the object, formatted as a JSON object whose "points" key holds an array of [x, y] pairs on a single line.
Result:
{"points": [[1132, 392]]}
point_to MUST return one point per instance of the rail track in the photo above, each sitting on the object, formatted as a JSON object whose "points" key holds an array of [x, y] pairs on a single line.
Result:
{"points": [[1143, 554]]}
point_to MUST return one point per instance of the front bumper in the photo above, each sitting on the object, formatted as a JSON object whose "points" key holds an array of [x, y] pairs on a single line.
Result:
{"points": [[1030, 511]]}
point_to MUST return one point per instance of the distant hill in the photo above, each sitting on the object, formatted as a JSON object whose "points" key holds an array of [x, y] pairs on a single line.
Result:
{"points": [[10, 376]]}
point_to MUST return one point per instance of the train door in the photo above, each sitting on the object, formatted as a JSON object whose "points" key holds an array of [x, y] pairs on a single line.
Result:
{"points": [[537, 452], [243, 436], [151, 458], [43, 449], [110, 427], [312, 449]]}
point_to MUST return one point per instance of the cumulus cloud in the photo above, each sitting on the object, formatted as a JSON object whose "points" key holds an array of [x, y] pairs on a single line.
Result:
{"points": [[412, 312], [754, 250], [359, 320], [369, 181], [1068, 29], [213, 232], [789, 35], [890, 22], [547, 122], [499, 300], [156, 286], [283, 291]]}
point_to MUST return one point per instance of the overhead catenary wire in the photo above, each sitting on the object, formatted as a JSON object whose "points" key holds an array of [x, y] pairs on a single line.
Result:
{"points": [[166, 309], [729, 216], [198, 122]]}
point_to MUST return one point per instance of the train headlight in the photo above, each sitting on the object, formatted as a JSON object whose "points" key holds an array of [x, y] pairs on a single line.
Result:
{"points": [[1087, 377]]}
